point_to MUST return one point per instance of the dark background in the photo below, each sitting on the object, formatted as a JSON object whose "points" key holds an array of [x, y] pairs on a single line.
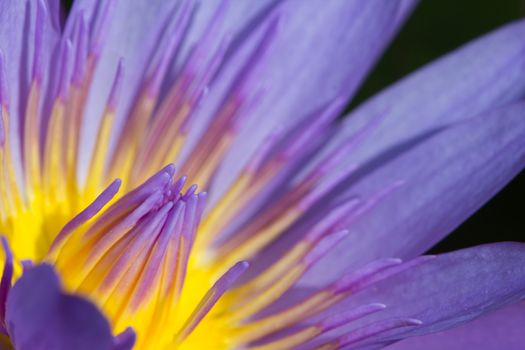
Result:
{"points": [[435, 28]]}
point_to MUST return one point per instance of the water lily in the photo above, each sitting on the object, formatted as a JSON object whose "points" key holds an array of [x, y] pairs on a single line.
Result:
{"points": [[174, 175]]}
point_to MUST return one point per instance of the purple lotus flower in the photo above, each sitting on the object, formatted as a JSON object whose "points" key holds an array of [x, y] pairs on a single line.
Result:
{"points": [[313, 228]]}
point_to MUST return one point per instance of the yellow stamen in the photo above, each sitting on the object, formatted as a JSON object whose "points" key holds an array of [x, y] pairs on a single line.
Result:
{"points": [[99, 156]]}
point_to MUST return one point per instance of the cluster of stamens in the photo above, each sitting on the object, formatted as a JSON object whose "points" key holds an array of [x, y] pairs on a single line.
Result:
{"points": [[141, 253]]}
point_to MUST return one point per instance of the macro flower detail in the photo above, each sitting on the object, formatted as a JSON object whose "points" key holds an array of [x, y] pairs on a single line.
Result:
{"points": [[174, 175]]}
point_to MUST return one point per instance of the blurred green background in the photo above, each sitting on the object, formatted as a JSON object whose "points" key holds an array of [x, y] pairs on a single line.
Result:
{"points": [[435, 28]]}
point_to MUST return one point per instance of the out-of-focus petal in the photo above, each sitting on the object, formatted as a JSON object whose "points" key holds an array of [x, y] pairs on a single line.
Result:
{"points": [[502, 329], [322, 50], [444, 291], [41, 316], [446, 176]]}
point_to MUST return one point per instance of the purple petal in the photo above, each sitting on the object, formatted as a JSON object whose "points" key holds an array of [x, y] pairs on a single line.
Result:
{"points": [[445, 291], [307, 65], [502, 329], [482, 75], [41, 316], [447, 175]]}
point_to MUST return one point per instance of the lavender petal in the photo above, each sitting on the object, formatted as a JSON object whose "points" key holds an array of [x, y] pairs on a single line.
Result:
{"points": [[501, 329]]}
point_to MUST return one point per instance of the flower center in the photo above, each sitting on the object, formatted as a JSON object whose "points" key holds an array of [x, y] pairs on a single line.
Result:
{"points": [[136, 260]]}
